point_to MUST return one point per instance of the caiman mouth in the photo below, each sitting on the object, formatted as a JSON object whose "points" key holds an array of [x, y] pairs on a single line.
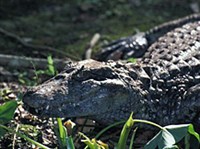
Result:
{"points": [[31, 105], [32, 110]]}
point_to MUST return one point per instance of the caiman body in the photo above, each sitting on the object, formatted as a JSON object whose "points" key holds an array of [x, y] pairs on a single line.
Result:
{"points": [[163, 86]]}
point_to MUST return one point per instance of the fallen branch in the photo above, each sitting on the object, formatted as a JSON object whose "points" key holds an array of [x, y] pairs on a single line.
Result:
{"points": [[27, 62], [20, 41], [88, 51]]}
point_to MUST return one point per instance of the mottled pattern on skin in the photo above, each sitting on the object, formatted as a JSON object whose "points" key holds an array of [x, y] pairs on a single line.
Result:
{"points": [[163, 86]]}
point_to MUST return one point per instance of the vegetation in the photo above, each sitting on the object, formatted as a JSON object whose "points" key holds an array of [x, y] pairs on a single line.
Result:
{"points": [[68, 27], [167, 137]]}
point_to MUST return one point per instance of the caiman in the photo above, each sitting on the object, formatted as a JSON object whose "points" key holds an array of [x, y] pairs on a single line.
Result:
{"points": [[163, 85]]}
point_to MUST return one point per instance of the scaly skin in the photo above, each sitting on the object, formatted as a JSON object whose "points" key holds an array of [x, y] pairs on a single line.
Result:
{"points": [[136, 45], [163, 86]]}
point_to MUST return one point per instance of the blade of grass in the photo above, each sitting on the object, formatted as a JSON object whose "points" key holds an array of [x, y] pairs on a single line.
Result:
{"points": [[64, 140], [132, 138], [108, 127], [25, 137], [125, 132], [70, 143], [62, 134], [187, 143]]}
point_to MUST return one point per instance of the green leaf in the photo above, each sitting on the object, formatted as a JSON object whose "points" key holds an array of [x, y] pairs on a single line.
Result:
{"points": [[70, 142], [163, 140], [24, 136], [132, 138], [180, 131], [6, 114], [51, 68], [2, 132], [153, 142], [39, 72], [193, 133], [172, 134], [183, 130], [125, 132], [167, 140], [132, 60], [50, 60], [7, 111], [91, 143], [62, 134]]}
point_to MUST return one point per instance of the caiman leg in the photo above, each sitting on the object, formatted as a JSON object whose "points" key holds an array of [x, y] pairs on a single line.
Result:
{"points": [[191, 105], [124, 48], [135, 46]]}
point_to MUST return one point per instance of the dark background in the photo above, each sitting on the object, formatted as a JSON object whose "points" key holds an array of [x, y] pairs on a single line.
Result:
{"points": [[69, 25]]}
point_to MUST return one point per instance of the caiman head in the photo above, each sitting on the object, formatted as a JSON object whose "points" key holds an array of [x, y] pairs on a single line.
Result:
{"points": [[87, 88]]}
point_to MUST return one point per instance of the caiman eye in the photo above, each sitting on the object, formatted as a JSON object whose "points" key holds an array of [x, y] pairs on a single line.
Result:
{"points": [[68, 70], [58, 77]]}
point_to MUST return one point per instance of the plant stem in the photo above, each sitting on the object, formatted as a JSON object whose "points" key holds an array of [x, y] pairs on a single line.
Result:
{"points": [[60, 126], [148, 122], [132, 138], [24, 137], [62, 133], [108, 127]]}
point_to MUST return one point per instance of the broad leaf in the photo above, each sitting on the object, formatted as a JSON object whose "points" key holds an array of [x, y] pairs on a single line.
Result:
{"points": [[180, 131], [7, 111], [2, 132], [172, 134], [163, 140], [6, 114]]}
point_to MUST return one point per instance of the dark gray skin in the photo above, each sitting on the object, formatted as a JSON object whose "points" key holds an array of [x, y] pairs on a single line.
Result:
{"points": [[163, 86], [83, 89], [137, 45], [109, 92]]}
